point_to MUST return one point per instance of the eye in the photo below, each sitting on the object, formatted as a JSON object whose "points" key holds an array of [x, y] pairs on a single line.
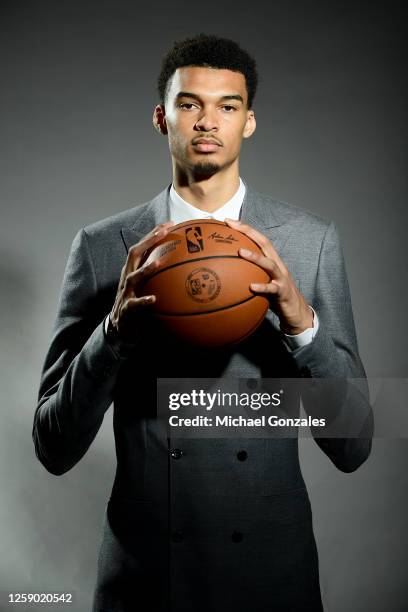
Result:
{"points": [[184, 105], [229, 108]]}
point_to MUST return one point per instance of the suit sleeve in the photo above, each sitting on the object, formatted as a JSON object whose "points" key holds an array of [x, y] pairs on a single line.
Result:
{"points": [[341, 392], [79, 371]]}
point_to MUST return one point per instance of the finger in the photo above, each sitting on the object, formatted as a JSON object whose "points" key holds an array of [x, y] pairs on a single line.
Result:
{"points": [[157, 229], [137, 250], [266, 263], [162, 227], [133, 303], [166, 226], [123, 276], [272, 288], [156, 234], [262, 241], [135, 278]]}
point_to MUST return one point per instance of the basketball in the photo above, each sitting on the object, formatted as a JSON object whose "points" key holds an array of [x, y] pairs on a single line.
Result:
{"points": [[202, 284]]}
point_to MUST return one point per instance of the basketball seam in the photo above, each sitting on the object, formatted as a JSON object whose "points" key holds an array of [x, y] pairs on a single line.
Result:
{"points": [[205, 312], [198, 222], [188, 261]]}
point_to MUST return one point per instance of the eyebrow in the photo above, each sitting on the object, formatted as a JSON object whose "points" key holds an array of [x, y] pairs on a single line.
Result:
{"points": [[187, 94]]}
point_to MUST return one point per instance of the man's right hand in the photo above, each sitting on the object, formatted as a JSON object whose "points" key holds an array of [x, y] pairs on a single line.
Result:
{"points": [[129, 305]]}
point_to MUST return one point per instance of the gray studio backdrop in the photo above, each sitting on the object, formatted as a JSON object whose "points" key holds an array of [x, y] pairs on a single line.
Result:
{"points": [[77, 95]]}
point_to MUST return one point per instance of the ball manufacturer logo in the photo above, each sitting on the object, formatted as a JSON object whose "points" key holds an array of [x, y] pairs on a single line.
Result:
{"points": [[194, 239], [203, 285]]}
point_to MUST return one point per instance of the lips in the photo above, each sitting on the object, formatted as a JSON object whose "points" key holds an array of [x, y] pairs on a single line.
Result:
{"points": [[206, 145]]}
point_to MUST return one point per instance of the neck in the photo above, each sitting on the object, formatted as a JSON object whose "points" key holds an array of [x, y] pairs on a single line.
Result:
{"points": [[207, 194]]}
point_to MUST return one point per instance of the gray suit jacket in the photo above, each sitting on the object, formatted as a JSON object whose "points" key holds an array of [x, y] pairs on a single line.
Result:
{"points": [[202, 529]]}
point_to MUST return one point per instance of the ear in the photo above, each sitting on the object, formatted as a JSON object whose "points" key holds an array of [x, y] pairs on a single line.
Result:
{"points": [[250, 124], [159, 119]]}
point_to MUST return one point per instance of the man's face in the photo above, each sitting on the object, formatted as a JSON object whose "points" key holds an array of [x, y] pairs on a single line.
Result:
{"points": [[206, 118]]}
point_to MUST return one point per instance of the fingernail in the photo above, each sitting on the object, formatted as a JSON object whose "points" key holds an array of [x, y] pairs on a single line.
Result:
{"points": [[245, 252], [254, 286]]}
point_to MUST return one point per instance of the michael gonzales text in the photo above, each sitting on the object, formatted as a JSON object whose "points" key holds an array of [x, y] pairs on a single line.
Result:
{"points": [[241, 421]]}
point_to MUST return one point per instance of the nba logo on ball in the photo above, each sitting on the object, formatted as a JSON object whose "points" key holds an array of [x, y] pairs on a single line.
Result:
{"points": [[202, 284], [194, 239]]}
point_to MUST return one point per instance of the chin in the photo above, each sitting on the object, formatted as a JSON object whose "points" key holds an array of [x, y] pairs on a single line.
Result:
{"points": [[205, 169]]}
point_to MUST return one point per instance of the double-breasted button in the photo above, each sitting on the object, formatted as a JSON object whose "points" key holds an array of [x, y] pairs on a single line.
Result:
{"points": [[236, 536], [177, 536], [242, 455], [176, 453]]}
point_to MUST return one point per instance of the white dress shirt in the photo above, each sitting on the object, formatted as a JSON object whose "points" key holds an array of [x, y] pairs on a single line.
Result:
{"points": [[181, 211]]}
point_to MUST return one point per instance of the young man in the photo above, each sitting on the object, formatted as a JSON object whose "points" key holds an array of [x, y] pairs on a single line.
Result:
{"points": [[199, 524]]}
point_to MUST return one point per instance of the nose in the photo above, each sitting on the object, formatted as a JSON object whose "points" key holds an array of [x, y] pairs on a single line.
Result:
{"points": [[207, 122]]}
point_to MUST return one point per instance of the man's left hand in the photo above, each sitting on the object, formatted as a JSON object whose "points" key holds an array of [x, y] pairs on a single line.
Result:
{"points": [[286, 301]]}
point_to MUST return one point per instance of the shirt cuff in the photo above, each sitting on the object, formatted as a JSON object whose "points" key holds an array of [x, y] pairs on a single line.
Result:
{"points": [[305, 337]]}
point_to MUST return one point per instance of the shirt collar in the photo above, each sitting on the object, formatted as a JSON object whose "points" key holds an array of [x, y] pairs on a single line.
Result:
{"points": [[180, 210]]}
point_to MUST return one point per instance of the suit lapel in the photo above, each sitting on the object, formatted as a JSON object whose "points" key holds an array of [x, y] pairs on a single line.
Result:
{"points": [[155, 212], [257, 210]]}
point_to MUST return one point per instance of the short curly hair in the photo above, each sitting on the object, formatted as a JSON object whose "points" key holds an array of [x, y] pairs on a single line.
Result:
{"points": [[211, 52]]}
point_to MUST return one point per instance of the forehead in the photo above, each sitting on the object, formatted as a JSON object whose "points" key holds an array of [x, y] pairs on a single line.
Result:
{"points": [[211, 82]]}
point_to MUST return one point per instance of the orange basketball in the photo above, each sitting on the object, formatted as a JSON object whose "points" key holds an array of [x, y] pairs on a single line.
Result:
{"points": [[202, 284]]}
